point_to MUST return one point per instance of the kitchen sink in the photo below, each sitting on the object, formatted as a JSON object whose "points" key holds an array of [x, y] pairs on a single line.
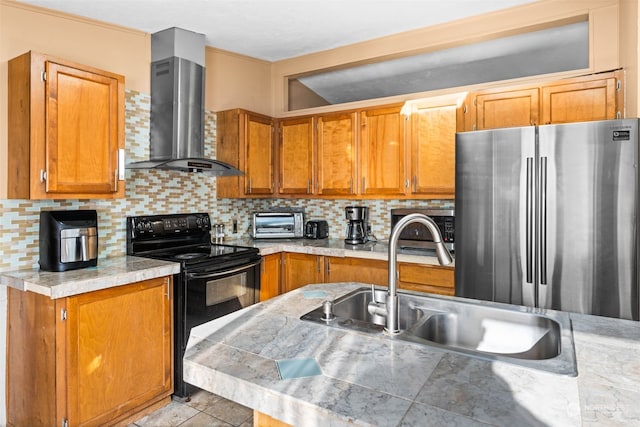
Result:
{"points": [[351, 312], [536, 338]]}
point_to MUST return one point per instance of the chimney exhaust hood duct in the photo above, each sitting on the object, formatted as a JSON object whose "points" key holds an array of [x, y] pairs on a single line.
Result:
{"points": [[177, 105]]}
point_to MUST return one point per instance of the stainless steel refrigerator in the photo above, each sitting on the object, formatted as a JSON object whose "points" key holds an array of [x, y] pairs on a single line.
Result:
{"points": [[546, 216]]}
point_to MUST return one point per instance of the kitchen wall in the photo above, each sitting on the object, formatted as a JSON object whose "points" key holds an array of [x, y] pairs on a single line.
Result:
{"points": [[162, 192]]}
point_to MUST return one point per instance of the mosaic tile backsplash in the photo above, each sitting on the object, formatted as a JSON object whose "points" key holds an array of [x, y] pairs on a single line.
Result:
{"points": [[163, 192]]}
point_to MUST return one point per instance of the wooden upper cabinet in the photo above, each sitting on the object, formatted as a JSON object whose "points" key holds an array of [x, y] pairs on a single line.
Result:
{"points": [[433, 140], [506, 108], [382, 151], [245, 140], [259, 159], [579, 99], [336, 146], [597, 97], [66, 127], [296, 161]]}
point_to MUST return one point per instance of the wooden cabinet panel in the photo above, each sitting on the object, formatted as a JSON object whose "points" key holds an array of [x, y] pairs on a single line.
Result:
{"points": [[356, 270], [66, 128], [259, 165], [507, 108], [433, 141], [336, 142], [301, 270], [382, 151], [110, 355], [270, 276], [580, 100], [296, 156], [426, 278], [245, 140]]}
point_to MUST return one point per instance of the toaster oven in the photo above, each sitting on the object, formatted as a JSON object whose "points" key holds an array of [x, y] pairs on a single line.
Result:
{"points": [[278, 225], [417, 236]]}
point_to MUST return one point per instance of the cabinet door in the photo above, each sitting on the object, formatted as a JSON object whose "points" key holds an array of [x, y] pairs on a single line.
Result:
{"points": [[356, 270], [82, 131], [382, 152], [507, 108], [426, 278], [259, 160], [336, 142], [296, 156], [119, 350], [433, 141], [270, 277], [301, 270], [580, 100]]}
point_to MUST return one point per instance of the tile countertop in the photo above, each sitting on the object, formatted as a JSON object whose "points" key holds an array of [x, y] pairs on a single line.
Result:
{"points": [[371, 380], [110, 272], [337, 247]]}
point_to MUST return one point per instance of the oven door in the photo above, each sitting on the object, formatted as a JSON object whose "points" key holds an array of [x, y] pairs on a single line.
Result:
{"points": [[213, 294]]}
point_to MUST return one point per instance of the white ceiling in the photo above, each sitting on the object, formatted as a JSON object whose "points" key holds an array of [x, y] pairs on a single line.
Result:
{"points": [[273, 30]]}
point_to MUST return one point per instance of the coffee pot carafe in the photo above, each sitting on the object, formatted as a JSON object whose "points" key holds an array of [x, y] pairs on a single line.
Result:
{"points": [[357, 226]]}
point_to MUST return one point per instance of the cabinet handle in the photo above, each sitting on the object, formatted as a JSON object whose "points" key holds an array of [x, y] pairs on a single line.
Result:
{"points": [[168, 294], [308, 186], [406, 183], [43, 175], [363, 186], [115, 181], [351, 186], [415, 183], [250, 187], [121, 167]]}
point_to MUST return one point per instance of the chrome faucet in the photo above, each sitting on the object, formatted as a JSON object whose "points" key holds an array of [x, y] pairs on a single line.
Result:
{"points": [[390, 308]]}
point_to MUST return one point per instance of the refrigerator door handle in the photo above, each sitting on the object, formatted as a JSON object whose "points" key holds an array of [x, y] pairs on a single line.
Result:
{"points": [[543, 220], [529, 213]]}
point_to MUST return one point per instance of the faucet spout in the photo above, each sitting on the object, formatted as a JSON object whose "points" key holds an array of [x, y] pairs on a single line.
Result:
{"points": [[443, 255]]}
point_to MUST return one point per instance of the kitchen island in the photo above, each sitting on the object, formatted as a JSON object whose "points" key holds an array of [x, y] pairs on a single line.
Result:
{"points": [[372, 380]]}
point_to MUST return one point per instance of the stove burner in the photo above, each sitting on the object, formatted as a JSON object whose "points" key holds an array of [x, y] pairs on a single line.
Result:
{"points": [[190, 255]]}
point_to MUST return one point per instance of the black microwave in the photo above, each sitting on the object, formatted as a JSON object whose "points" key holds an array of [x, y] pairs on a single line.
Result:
{"points": [[417, 236]]}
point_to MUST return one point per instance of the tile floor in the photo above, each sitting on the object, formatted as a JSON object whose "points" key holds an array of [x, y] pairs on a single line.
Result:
{"points": [[204, 409]]}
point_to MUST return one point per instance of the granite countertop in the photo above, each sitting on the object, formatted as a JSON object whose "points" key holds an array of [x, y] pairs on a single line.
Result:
{"points": [[372, 380], [109, 272], [338, 248]]}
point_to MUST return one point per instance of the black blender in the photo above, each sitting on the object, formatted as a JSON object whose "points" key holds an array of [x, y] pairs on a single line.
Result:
{"points": [[357, 227]]}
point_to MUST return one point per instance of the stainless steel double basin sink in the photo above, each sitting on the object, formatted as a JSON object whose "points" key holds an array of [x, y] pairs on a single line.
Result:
{"points": [[535, 338]]}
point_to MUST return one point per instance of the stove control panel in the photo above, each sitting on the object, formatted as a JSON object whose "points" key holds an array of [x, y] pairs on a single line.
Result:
{"points": [[168, 225]]}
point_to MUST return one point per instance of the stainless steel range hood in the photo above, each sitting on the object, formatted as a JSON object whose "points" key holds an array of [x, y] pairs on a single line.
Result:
{"points": [[177, 105]]}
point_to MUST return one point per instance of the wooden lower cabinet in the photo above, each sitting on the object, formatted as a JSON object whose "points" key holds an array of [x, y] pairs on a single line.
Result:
{"points": [[301, 270], [426, 278], [356, 270], [270, 276], [263, 420], [99, 358]]}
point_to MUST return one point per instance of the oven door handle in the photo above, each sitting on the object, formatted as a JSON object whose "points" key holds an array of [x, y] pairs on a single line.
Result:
{"points": [[222, 273]]}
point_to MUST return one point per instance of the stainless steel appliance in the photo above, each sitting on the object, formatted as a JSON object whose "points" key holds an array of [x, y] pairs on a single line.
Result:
{"points": [[68, 240], [358, 223], [316, 229], [214, 280], [547, 216], [177, 105], [283, 224], [417, 236]]}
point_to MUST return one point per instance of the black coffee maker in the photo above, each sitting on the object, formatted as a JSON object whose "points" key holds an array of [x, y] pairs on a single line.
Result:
{"points": [[357, 227]]}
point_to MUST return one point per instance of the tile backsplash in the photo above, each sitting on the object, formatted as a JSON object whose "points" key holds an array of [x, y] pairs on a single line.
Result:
{"points": [[162, 192]]}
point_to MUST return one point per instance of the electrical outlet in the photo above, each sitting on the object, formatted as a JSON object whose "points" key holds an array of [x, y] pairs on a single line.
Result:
{"points": [[235, 225]]}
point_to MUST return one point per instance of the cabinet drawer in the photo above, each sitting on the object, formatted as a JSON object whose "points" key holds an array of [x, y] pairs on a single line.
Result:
{"points": [[431, 279]]}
